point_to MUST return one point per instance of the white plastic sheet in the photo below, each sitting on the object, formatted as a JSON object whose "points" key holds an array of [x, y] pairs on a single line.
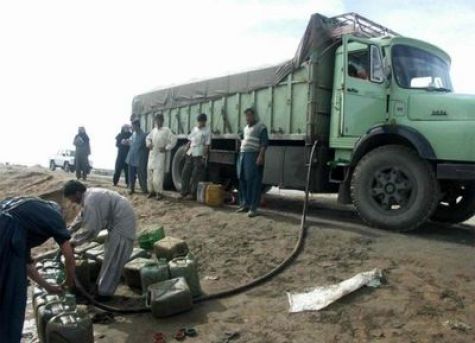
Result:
{"points": [[321, 297]]}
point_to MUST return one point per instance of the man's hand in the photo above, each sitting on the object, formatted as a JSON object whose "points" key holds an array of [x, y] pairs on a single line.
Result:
{"points": [[260, 160]]}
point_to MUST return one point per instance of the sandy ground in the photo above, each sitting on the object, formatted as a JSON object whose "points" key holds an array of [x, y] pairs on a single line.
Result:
{"points": [[430, 274]]}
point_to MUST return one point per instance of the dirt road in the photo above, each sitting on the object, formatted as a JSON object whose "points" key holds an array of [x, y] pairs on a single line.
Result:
{"points": [[428, 296]]}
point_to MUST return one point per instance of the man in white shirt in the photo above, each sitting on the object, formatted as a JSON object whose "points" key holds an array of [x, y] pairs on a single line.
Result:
{"points": [[160, 141], [197, 154]]}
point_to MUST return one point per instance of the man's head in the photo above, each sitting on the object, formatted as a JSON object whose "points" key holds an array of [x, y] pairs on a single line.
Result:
{"points": [[125, 128], [159, 119], [201, 119], [74, 190], [250, 116], [81, 129], [136, 125]]}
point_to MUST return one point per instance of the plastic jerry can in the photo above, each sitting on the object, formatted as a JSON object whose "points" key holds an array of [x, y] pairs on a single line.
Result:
{"points": [[82, 273], [70, 327], [139, 252], [154, 273], [214, 195], [53, 273], [186, 267], [48, 311], [150, 236], [94, 270], [101, 236], [201, 191], [94, 253], [132, 271], [170, 247], [38, 291], [52, 263], [47, 298], [169, 297], [85, 247]]}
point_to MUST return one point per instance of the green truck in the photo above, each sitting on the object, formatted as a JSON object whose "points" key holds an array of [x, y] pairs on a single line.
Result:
{"points": [[391, 135]]}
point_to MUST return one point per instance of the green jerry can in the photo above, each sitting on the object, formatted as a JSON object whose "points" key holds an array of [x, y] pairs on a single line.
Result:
{"points": [[52, 263], [48, 311], [82, 273], [102, 236], [170, 247], [47, 298], [70, 327], [154, 273], [94, 270], [169, 297], [139, 253], [38, 291], [95, 252], [54, 273], [132, 271], [85, 247], [186, 267], [149, 236]]}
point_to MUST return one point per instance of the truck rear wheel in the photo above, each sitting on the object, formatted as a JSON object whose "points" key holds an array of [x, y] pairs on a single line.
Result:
{"points": [[394, 189], [177, 166], [457, 205]]}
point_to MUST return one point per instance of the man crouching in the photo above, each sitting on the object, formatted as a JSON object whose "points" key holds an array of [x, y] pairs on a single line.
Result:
{"points": [[104, 209]]}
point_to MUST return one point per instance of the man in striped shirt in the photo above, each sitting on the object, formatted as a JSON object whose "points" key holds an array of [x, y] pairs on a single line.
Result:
{"points": [[251, 163]]}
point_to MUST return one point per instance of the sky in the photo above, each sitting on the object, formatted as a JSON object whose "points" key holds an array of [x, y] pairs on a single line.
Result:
{"points": [[65, 64]]}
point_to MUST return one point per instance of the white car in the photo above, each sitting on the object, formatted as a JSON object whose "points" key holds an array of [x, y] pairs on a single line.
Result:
{"points": [[64, 159]]}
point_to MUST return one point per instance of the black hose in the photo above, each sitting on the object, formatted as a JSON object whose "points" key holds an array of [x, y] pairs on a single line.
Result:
{"points": [[253, 283]]}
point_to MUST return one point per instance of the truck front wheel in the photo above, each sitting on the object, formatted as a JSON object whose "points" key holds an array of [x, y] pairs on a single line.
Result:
{"points": [[394, 189], [457, 204]]}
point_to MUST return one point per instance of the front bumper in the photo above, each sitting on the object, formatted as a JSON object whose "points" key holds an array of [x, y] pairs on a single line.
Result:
{"points": [[455, 171]]}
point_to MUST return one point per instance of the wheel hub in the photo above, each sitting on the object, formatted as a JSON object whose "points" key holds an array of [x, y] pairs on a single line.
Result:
{"points": [[391, 188]]}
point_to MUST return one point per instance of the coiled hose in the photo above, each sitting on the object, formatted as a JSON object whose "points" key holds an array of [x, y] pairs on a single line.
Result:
{"points": [[240, 289]]}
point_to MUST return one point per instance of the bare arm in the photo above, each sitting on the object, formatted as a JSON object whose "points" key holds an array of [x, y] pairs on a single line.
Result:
{"points": [[69, 263], [76, 224], [262, 156]]}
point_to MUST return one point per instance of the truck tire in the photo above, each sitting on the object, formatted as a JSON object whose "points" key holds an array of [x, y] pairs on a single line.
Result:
{"points": [[177, 166], [457, 205], [394, 189], [67, 167], [52, 166]]}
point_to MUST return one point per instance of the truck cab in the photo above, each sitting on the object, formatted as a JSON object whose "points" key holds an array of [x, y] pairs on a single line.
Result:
{"points": [[403, 137]]}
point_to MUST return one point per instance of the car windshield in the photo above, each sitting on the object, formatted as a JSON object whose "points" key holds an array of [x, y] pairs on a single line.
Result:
{"points": [[417, 68]]}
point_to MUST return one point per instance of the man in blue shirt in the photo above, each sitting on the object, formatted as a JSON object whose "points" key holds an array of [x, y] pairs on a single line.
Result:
{"points": [[24, 224], [137, 158]]}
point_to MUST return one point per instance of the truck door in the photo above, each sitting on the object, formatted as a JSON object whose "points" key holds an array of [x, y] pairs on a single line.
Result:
{"points": [[364, 91]]}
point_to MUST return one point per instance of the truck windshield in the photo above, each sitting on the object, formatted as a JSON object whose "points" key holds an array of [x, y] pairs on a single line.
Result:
{"points": [[417, 68]]}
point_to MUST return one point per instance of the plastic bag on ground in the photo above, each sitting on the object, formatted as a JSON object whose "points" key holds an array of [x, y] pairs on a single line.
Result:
{"points": [[321, 297]]}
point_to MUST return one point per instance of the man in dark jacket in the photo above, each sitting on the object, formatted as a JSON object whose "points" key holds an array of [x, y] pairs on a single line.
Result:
{"points": [[137, 158], [24, 224], [122, 151], [83, 150]]}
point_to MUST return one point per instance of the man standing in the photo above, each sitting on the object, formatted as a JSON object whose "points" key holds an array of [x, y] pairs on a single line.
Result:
{"points": [[196, 156], [160, 141], [251, 163], [26, 223], [83, 150], [122, 150], [104, 209], [137, 158]]}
